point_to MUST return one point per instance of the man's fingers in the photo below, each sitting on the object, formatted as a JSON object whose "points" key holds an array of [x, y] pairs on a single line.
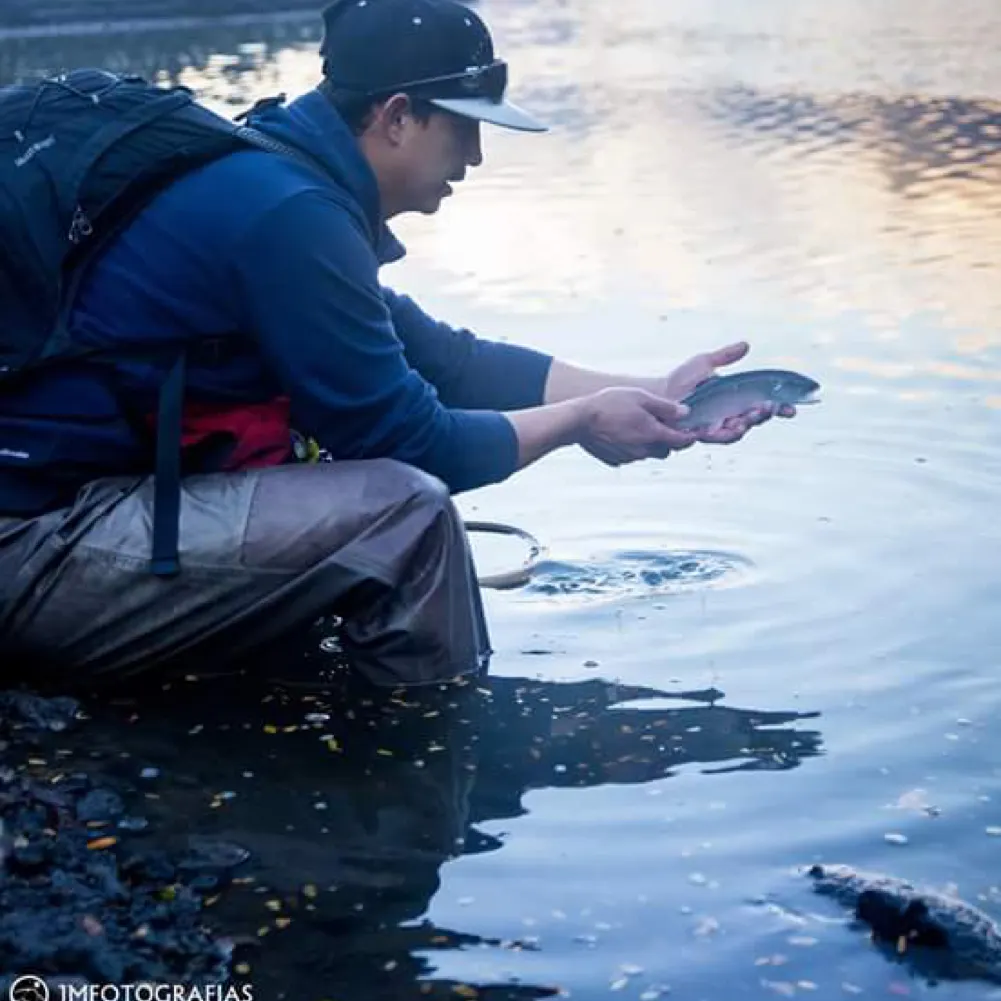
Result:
{"points": [[758, 415], [725, 433], [673, 438], [729, 354], [664, 409]]}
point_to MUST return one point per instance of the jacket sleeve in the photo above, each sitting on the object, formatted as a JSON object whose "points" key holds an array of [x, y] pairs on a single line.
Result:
{"points": [[311, 296], [468, 371]]}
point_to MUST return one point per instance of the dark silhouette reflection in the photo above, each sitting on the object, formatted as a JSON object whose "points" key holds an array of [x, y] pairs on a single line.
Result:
{"points": [[918, 140], [350, 803]]}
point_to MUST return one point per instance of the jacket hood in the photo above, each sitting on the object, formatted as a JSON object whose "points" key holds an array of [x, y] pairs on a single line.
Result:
{"points": [[313, 125]]}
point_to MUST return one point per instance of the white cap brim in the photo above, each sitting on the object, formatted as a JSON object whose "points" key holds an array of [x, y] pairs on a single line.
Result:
{"points": [[502, 113]]}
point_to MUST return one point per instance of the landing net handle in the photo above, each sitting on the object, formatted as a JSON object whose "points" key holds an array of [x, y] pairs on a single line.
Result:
{"points": [[520, 575]]}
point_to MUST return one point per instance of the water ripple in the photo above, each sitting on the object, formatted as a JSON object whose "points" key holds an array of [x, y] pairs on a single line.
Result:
{"points": [[635, 573]]}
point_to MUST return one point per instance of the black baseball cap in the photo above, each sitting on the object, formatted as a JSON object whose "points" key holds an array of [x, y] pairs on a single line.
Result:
{"points": [[438, 50]]}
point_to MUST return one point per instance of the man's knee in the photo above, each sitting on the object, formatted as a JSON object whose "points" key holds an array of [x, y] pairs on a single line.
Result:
{"points": [[301, 515], [420, 505], [402, 483]]}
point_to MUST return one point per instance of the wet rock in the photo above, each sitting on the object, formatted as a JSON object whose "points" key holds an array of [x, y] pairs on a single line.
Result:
{"points": [[100, 805], [133, 824], [76, 902], [942, 936], [210, 854], [27, 858], [208, 864], [28, 712], [153, 866]]}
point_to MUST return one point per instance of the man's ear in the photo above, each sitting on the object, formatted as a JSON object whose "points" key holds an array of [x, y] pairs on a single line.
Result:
{"points": [[395, 115]]}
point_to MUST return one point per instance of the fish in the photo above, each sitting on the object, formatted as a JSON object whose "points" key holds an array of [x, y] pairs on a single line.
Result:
{"points": [[722, 396], [943, 937]]}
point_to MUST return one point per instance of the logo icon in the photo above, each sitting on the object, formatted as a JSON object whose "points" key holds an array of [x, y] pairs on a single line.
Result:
{"points": [[29, 988]]}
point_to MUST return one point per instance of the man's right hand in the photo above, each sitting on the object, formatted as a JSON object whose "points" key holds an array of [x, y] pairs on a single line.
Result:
{"points": [[617, 426], [623, 425]]}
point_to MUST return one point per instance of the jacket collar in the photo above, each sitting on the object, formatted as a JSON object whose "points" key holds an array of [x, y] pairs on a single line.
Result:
{"points": [[312, 123]]}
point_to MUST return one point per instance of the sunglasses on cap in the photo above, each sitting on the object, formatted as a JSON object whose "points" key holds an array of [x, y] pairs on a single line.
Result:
{"points": [[488, 82]]}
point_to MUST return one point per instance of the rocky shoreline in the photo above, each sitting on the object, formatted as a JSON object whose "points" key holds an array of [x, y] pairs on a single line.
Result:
{"points": [[82, 900]]}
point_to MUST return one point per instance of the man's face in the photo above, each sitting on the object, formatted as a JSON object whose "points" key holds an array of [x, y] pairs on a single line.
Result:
{"points": [[434, 156]]}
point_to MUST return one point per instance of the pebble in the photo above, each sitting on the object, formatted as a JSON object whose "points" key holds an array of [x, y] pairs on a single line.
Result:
{"points": [[133, 824]]}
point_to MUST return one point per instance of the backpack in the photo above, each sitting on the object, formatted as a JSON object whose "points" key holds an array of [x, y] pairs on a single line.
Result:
{"points": [[80, 155]]}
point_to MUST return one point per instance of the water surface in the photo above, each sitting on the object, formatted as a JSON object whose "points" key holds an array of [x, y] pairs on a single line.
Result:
{"points": [[734, 662]]}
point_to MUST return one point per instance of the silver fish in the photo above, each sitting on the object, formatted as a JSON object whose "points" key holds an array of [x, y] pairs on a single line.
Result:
{"points": [[723, 396]]}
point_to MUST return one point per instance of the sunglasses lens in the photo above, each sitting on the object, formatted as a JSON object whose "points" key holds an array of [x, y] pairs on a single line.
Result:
{"points": [[496, 81], [489, 82]]}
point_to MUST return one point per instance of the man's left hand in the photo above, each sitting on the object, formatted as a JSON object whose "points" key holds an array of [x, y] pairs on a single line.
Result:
{"points": [[687, 376]]}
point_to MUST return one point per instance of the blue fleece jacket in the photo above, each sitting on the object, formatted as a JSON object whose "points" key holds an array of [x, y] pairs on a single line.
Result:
{"points": [[283, 261]]}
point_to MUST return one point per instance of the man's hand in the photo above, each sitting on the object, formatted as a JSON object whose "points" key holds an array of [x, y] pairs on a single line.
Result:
{"points": [[624, 424], [679, 383], [568, 386], [618, 425]]}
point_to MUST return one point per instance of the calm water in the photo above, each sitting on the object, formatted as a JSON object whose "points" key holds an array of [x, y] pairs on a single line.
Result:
{"points": [[662, 748]]}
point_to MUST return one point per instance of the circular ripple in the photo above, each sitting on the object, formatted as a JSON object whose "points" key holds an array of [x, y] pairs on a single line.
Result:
{"points": [[638, 573]]}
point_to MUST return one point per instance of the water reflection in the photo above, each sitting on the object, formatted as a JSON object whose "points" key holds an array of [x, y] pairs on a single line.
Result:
{"points": [[922, 142], [350, 813], [687, 166], [241, 54]]}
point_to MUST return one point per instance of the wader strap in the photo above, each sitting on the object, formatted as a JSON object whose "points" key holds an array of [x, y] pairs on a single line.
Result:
{"points": [[167, 480]]}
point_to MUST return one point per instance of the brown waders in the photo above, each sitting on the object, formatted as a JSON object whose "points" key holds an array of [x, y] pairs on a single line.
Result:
{"points": [[264, 553]]}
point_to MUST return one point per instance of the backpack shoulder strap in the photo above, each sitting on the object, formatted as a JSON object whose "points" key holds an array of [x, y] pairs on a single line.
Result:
{"points": [[271, 145], [107, 138]]}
